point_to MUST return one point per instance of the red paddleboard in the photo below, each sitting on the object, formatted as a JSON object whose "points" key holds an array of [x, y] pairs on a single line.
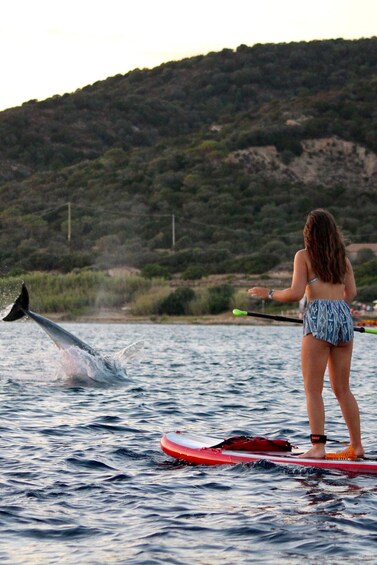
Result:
{"points": [[198, 450]]}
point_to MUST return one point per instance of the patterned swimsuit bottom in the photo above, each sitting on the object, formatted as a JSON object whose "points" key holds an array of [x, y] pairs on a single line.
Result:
{"points": [[330, 320]]}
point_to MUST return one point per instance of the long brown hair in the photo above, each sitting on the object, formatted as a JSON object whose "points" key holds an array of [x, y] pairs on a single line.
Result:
{"points": [[325, 245]]}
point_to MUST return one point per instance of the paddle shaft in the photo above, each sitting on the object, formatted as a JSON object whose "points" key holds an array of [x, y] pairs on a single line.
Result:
{"points": [[237, 312]]}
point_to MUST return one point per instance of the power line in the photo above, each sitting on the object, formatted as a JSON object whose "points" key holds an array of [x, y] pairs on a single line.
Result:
{"points": [[174, 220]]}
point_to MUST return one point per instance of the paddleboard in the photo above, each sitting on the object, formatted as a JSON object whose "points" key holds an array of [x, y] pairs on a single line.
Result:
{"points": [[198, 450]]}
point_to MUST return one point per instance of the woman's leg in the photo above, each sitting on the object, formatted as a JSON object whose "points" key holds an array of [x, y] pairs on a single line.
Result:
{"points": [[339, 372], [314, 357]]}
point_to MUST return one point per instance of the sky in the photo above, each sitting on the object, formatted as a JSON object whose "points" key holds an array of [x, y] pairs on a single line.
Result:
{"points": [[51, 47]]}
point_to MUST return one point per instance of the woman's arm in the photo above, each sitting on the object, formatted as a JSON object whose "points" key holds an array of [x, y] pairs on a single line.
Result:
{"points": [[297, 289], [350, 289]]}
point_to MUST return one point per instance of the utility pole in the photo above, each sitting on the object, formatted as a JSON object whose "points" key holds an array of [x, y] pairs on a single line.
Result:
{"points": [[69, 224], [173, 230]]}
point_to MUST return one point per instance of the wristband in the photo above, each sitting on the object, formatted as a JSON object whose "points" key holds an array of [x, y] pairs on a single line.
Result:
{"points": [[270, 293]]}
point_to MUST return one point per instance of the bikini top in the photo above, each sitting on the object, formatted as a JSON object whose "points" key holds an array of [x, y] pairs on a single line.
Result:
{"points": [[313, 280]]}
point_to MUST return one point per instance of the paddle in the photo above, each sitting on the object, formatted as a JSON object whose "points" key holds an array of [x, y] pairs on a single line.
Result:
{"points": [[237, 312]]}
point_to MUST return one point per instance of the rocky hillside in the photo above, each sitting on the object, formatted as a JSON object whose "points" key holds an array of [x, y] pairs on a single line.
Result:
{"points": [[327, 162]]}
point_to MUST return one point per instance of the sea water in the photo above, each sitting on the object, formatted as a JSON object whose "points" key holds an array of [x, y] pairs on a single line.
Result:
{"points": [[84, 480]]}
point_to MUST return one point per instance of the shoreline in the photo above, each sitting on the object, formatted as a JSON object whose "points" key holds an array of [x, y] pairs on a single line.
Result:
{"points": [[227, 318], [114, 317]]}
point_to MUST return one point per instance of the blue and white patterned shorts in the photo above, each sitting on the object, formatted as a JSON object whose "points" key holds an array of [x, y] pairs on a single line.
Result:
{"points": [[330, 320]]}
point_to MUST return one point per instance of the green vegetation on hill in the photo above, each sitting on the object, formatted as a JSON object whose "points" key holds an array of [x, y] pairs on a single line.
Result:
{"points": [[147, 160]]}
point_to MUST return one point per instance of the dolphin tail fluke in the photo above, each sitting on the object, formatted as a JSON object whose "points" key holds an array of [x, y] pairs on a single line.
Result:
{"points": [[20, 307]]}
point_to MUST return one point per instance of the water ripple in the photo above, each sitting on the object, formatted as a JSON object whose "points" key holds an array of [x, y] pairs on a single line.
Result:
{"points": [[84, 480]]}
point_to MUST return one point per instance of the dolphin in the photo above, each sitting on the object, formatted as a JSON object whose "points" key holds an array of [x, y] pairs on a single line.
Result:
{"points": [[63, 339]]}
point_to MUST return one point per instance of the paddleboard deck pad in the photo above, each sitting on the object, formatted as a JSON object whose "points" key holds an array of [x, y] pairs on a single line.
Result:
{"points": [[199, 450]]}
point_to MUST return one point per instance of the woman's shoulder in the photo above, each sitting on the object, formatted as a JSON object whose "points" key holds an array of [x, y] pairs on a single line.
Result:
{"points": [[302, 261], [302, 255]]}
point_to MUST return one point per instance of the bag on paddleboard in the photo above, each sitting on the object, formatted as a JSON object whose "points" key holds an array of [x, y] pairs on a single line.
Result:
{"points": [[253, 444]]}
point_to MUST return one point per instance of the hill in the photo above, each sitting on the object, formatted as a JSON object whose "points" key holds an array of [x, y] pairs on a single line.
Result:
{"points": [[213, 162]]}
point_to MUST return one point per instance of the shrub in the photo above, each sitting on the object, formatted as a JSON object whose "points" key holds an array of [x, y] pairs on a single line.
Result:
{"points": [[193, 273], [366, 274], [147, 303], [154, 270], [199, 305], [256, 263], [177, 302], [219, 298], [367, 293], [240, 299]]}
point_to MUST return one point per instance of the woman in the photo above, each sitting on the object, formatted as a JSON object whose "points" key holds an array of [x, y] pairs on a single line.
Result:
{"points": [[324, 273]]}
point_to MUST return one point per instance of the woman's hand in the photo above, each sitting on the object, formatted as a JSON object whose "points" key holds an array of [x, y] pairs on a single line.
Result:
{"points": [[259, 292]]}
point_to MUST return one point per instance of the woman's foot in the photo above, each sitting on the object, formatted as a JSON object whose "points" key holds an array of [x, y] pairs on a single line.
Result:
{"points": [[358, 451], [317, 451], [346, 454]]}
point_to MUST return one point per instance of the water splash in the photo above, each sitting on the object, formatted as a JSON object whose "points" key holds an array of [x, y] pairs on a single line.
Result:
{"points": [[79, 368], [130, 352], [82, 369]]}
